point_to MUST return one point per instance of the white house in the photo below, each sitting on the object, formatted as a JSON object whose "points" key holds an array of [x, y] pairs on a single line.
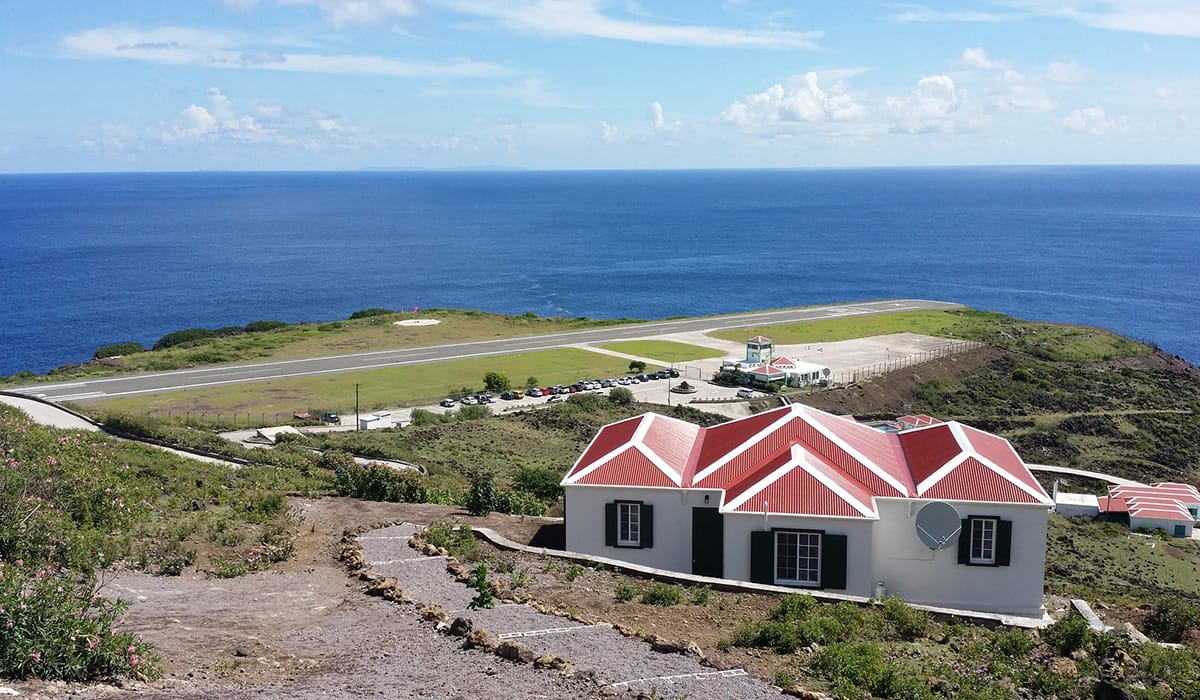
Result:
{"points": [[800, 497], [1167, 506]]}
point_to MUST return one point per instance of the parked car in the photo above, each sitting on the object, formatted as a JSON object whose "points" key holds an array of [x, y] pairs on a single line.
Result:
{"points": [[508, 396], [745, 394], [470, 401], [331, 418], [672, 372], [534, 392], [484, 398], [447, 403]]}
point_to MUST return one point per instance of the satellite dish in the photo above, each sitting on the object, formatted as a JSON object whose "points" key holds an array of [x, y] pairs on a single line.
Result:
{"points": [[938, 525]]}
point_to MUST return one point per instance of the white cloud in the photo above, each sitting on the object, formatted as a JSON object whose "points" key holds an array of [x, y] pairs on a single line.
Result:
{"points": [[978, 59], [215, 49], [1164, 17], [349, 13], [656, 111], [920, 13], [585, 18], [780, 109], [932, 106], [1093, 120], [609, 133], [1017, 92], [1066, 73]]}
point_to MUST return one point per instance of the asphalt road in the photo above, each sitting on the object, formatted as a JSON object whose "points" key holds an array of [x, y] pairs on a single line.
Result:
{"points": [[126, 385]]}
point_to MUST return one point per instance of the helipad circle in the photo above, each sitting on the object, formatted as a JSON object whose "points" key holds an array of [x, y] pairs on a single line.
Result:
{"points": [[417, 322]]}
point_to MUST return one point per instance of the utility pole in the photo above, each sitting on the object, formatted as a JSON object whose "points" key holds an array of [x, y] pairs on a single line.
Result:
{"points": [[357, 422]]}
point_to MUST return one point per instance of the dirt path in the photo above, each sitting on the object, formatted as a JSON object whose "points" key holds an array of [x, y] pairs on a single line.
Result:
{"points": [[307, 629]]}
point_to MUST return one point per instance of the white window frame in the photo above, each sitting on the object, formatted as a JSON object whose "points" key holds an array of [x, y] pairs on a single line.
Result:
{"points": [[629, 524], [983, 540], [811, 562]]}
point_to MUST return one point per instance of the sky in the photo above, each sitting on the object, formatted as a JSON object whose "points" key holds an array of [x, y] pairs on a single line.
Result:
{"points": [[151, 85]]}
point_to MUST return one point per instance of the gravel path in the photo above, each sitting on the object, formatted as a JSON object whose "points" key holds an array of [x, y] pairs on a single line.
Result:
{"points": [[619, 663]]}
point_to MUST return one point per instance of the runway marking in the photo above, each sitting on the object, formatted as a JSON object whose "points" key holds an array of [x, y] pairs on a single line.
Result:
{"points": [[550, 630], [730, 673]]}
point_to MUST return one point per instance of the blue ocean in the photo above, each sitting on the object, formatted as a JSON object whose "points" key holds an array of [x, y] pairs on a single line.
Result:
{"points": [[92, 259]]}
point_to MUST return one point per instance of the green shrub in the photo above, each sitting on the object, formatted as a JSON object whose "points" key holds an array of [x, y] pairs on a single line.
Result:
{"points": [[496, 383], [423, 416], [516, 502], [189, 335], [700, 595], [620, 396], [263, 326], [793, 607], [117, 349], [459, 541], [625, 592], [586, 401], [368, 313], [56, 627], [332, 326], [662, 594], [475, 412], [908, 622], [851, 669], [1067, 633], [1171, 619], [483, 597], [1013, 643], [377, 482], [480, 500], [539, 481]]}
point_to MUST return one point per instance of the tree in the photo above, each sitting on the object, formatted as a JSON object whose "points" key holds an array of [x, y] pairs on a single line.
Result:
{"points": [[481, 499], [531, 382], [637, 366], [621, 396], [496, 383]]}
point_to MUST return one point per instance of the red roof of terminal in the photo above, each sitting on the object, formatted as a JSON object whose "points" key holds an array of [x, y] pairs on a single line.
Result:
{"points": [[799, 460]]}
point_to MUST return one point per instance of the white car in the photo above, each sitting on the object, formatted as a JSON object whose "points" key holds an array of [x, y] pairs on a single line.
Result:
{"points": [[469, 401], [447, 403], [745, 394]]}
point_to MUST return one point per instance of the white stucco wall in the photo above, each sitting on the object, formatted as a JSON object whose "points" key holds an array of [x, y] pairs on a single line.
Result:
{"points": [[858, 531], [1167, 526], [672, 548], [918, 574]]}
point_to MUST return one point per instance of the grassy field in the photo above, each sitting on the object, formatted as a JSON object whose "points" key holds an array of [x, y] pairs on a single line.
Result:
{"points": [[1082, 556], [411, 385], [1042, 340], [666, 351], [338, 337]]}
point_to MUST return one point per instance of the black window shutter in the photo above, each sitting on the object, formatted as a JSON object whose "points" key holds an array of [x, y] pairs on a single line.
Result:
{"points": [[647, 525], [1003, 542], [762, 556], [964, 543], [833, 561], [610, 524]]}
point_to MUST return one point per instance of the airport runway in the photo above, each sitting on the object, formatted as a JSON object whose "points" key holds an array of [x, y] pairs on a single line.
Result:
{"points": [[126, 385]]}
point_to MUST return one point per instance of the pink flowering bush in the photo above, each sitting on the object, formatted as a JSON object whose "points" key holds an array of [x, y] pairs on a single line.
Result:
{"points": [[54, 625]]}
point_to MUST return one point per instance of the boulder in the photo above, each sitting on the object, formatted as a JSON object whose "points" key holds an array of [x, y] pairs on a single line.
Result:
{"points": [[1107, 691], [478, 638], [1063, 667], [432, 612], [461, 626], [514, 651]]}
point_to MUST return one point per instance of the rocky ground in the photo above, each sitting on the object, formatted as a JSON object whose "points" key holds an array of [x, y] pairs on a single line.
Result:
{"points": [[308, 629]]}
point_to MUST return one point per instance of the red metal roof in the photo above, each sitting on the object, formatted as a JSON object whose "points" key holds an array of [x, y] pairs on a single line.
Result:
{"points": [[1000, 452], [767, 370], [630, 468], [929, 449], [805, 461], [611, 437], [974, 481], [671, 439], [759, 339], [1112, 504]]}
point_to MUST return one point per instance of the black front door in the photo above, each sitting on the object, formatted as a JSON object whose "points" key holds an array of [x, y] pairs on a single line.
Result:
{"points": [[708, 542]]}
